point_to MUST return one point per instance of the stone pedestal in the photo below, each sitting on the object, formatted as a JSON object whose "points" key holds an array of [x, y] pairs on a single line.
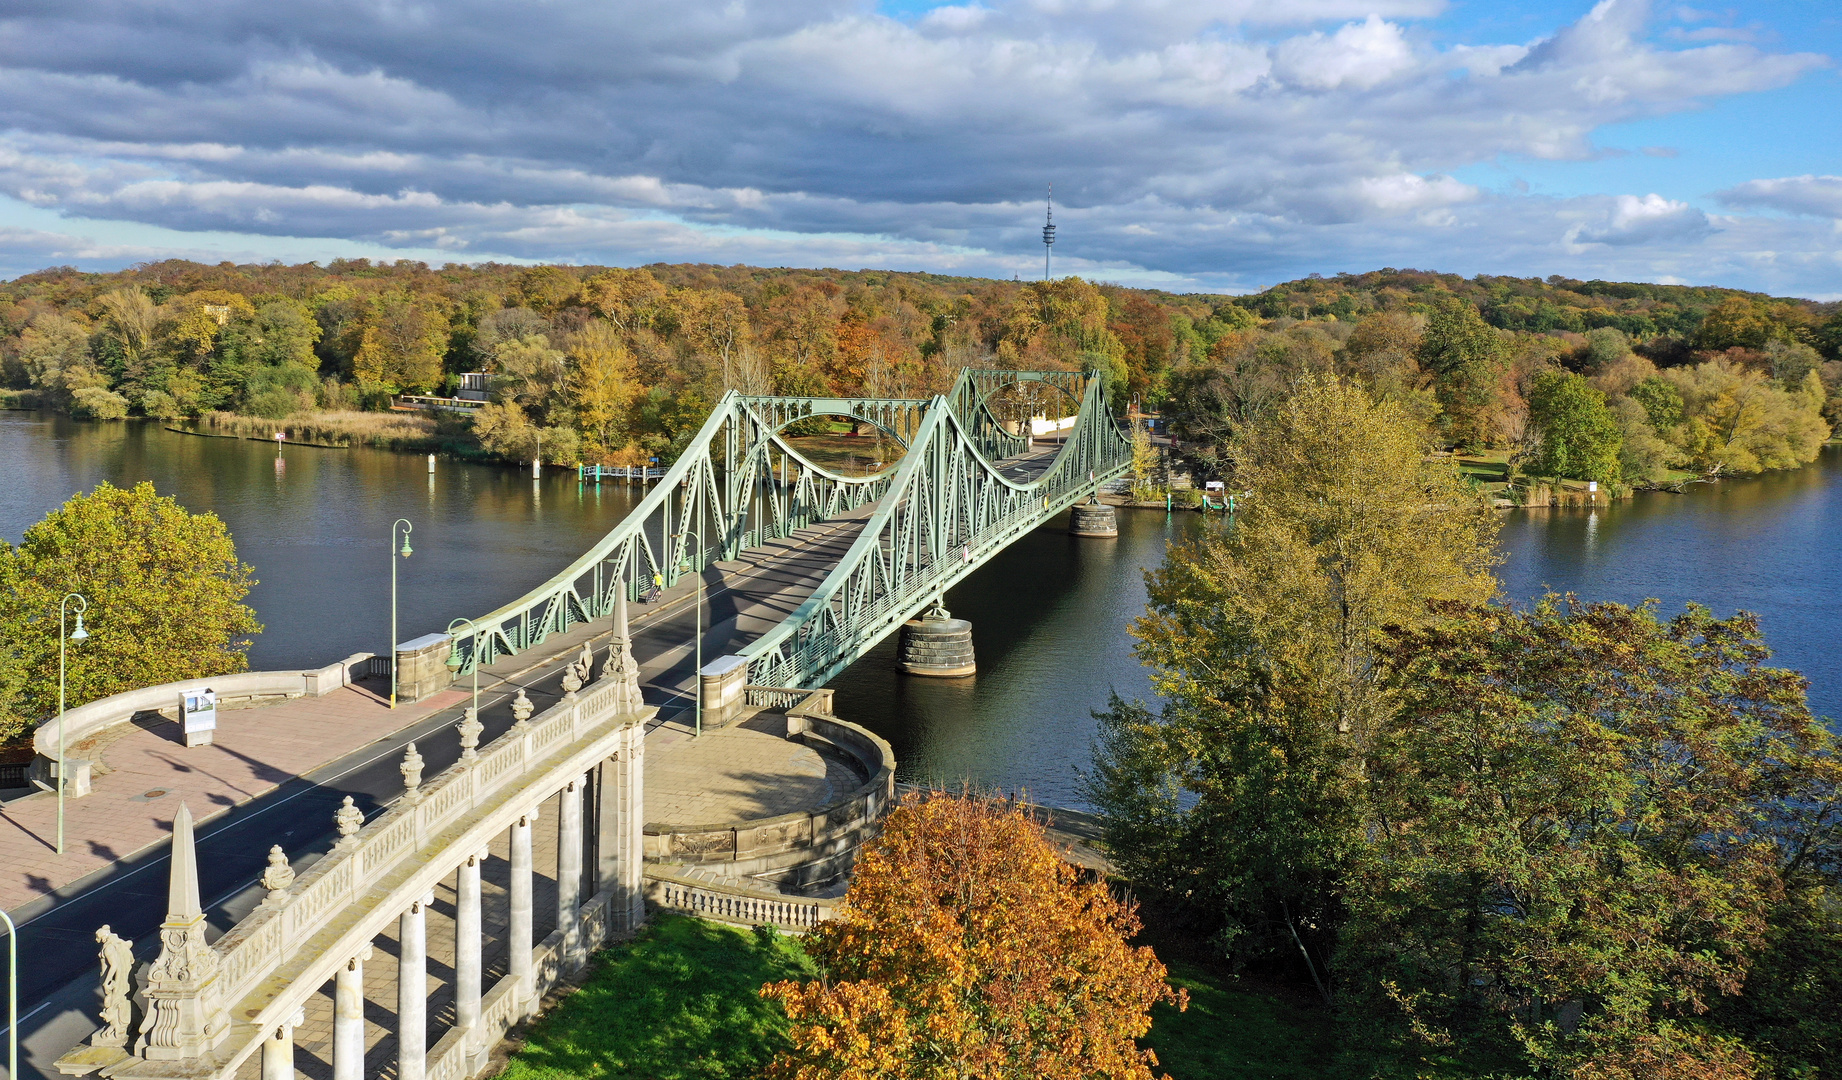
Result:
{"points": [[936, 645], [422, 667], [45, 771], [721, 683], [1093, 519]]}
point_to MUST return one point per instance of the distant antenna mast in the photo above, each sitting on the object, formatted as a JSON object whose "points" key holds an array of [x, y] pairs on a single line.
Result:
{"points": [[1049, 231]]}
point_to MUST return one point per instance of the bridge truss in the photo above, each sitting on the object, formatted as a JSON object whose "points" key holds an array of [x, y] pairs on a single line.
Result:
{"points": [[940, 512]]}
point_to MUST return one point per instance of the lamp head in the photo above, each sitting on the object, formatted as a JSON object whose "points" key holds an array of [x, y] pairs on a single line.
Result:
{"points": [[405, 552], [80, 634], [454, 658]]}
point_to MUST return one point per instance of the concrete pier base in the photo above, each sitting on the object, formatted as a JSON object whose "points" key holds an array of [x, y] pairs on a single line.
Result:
{"points": [[1093, 519], [936, 645]]}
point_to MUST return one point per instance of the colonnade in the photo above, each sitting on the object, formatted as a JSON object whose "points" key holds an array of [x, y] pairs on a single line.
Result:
{"points": [[577, 834]]}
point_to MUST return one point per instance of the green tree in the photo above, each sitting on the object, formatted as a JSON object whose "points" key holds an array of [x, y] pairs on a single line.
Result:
{"points": [[1579, 438], [1661, 400], [1580, 821], [1464, 354], [1241, 794], [164, 589]]}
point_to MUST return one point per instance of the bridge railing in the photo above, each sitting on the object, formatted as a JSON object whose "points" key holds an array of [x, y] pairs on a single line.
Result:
{"points": [[949, 509], [738, 485]]}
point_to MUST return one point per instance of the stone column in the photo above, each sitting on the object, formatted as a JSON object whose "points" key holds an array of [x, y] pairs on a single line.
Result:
{"points": [[349, 1018], [413, 991], [467, 945], [518, 933], [569, 875], [621, 829], [278, 1049]]}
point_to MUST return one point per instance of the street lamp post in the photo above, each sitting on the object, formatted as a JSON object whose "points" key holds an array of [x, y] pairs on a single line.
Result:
{"points": [[697, 672], [454, 662], [404, 552], [79, 634], [12, 996]]}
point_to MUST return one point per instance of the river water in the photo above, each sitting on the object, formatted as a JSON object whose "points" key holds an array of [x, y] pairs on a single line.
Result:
{"points": [[1048, 614]]}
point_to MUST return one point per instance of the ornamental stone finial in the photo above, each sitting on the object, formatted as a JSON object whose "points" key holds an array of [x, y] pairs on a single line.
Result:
{"points": [[521, 709], [470, 728], [412, 774], [571, 683], [185, 1015], [349, 819], [277, 876]]}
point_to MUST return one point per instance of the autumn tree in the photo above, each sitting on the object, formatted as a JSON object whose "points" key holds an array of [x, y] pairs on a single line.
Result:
{"points": [[1582, 819], [402, 342], [967, 948], [164, 588], [715, 323], [1241, 791], [630, 299], [1736, 322], [602, 389]]}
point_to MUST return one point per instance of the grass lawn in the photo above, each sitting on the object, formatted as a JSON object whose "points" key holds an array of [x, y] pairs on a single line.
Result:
{"points": [[679, 1002], [1231, 1032], [1489, 467]]}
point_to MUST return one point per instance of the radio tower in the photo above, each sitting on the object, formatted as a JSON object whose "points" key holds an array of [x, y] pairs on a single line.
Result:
{"points": [[1048, 231]]}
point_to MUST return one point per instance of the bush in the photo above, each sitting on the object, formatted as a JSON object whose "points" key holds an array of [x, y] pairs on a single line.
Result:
{"points": [[95, 403], [160, 405]]}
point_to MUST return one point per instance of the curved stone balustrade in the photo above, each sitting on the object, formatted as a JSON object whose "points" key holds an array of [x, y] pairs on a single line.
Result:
{"points": [[712, 896], [246, 687], [805, 849]]}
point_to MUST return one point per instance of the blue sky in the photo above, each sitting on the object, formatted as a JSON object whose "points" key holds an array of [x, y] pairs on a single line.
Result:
{"points": [[1194, 144]]}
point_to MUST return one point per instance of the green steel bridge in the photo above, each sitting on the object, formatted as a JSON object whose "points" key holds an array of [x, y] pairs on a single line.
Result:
{"points": [[963, 490]]}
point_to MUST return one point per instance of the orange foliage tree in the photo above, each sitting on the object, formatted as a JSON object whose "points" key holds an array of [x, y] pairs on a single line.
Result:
{"points": [[967, 948]]}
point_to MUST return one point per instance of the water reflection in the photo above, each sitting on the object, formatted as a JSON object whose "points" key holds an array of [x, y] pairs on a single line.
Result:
{"points": [[1765, 545], [314, 523]]}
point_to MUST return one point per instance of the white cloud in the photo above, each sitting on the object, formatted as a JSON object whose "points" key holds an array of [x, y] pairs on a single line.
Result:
{"points": [[1204, 140], [1359, 55], [1818, 196], [1632, 220]]}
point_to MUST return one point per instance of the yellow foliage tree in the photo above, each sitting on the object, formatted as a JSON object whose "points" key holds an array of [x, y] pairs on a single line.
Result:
{"points": [[402, 343], [602, 387], [967, 948]]}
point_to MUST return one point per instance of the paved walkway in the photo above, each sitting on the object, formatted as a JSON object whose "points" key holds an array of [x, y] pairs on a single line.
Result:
{"points": [[741, 773], [145, 770]]}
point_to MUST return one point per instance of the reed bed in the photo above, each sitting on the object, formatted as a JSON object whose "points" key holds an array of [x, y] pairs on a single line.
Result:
{"points": [[385, 431]]}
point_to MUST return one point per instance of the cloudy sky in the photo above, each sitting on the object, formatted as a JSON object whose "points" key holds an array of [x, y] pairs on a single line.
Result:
{"points": [[1193, 144]]}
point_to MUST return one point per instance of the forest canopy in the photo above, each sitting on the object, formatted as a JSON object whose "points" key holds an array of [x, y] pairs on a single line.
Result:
{"points": [[590, 363]]}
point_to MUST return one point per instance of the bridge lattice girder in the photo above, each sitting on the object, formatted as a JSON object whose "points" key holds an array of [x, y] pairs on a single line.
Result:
{"points": [[942, 511]]}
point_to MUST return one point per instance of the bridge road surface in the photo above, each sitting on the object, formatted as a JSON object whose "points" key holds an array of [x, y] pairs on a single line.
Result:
{"points": [[59, 991]]}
